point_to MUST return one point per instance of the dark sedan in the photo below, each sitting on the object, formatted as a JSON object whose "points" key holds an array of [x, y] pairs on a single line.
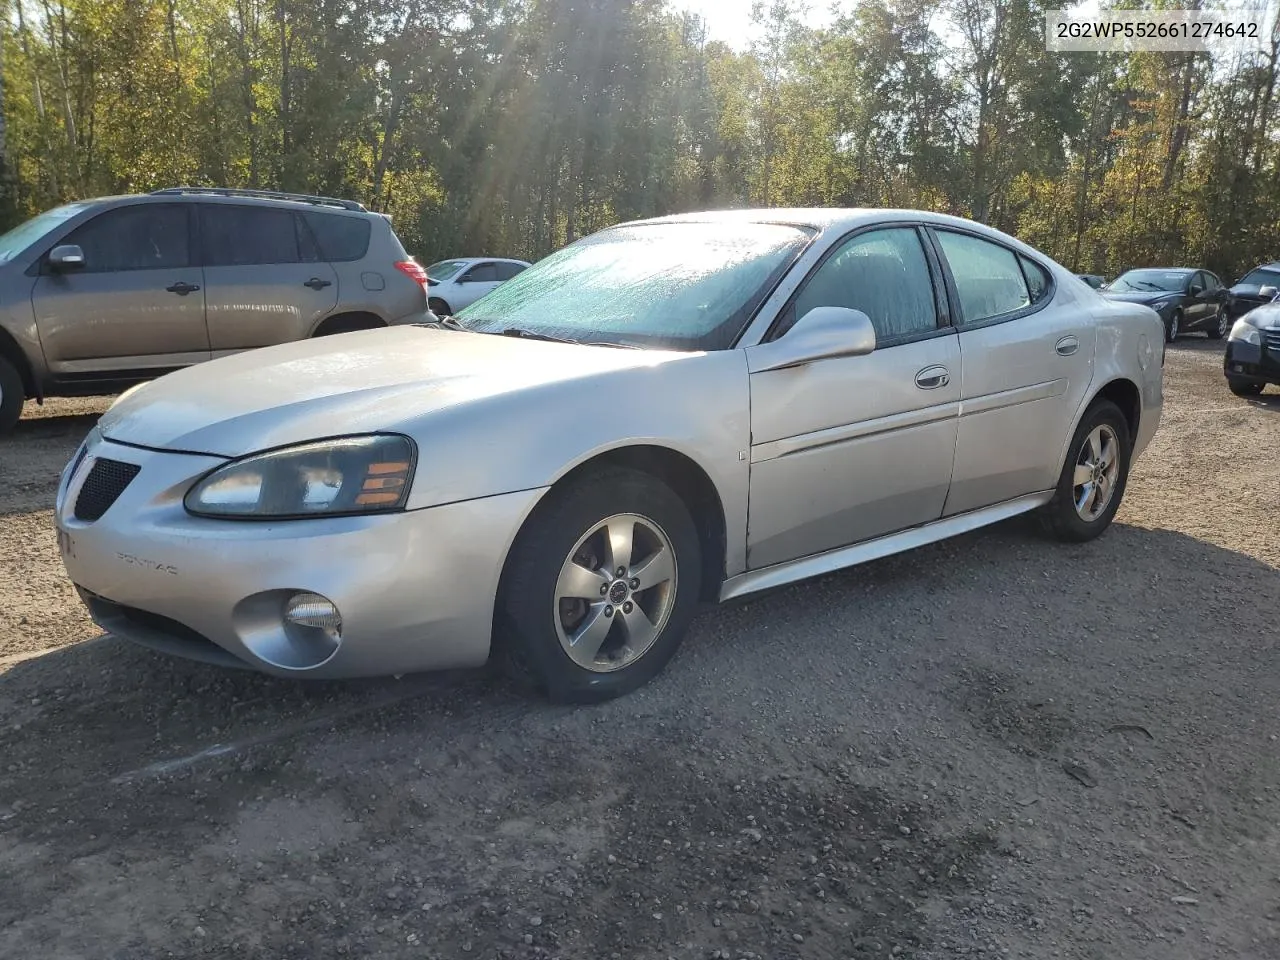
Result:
{"points": [[1255, 288], [1186, 298]]}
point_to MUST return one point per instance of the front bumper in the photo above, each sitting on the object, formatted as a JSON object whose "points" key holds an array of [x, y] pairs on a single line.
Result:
{"points": [[415, 590], [1254, 363]]}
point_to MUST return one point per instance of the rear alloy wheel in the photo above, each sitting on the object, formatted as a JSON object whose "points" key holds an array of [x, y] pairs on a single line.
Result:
{"points": [[12, 396], [600, 587], [1094, 476], [1220, 324], [1245, 388]]}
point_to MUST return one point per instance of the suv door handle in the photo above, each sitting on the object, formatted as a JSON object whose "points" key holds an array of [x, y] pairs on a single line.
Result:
{"points": [[1067, 346], [931, 378], [315, 283], [182, 288]]}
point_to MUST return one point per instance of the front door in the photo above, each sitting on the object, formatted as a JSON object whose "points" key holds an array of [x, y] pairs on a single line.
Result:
{"points": [[475, 283], [851, 448], [266, 282], [1028, 363], [135, 306]]}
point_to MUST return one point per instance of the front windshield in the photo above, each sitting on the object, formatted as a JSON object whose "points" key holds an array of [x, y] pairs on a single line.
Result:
{"points": [[1152, 281], [445, 269], [25, 234], [1263, 278], [683, 286]]}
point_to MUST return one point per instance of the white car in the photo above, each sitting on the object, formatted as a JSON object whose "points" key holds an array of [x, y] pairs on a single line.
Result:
{"points": [[455, 284]]}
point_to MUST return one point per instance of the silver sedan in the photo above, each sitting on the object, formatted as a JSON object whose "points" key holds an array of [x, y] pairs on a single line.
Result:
{"points": [[665, 413]]}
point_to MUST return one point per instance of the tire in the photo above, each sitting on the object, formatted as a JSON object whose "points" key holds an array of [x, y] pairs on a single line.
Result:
{"points": [[1219, 326], [12, 396], [1061, 516], [538, 619], [1245, 388], [1174, 327], [439, 307]]}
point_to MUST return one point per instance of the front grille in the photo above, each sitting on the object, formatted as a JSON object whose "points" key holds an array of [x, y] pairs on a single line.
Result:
{"points": [[1272, 338], [106, 481]]}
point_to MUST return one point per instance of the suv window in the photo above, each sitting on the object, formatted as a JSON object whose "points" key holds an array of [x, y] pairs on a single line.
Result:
{"points": [[147, 236], [988, 279], [508, 270], [340, 238], [241, 236], [884, 274], [481, 273]]}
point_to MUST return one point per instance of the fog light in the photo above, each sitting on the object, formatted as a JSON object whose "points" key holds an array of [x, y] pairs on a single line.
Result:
{"points": [[313, 610]]}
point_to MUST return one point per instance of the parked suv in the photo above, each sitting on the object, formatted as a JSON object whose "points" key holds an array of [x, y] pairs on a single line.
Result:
{"points": [[98, 295]]}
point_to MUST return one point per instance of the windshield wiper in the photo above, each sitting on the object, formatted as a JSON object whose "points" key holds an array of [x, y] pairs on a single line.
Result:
{"points": [[531, 335]]}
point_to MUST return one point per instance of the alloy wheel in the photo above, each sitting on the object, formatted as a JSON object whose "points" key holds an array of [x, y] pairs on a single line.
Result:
{"points": [[615, 593], [1096, 473]]}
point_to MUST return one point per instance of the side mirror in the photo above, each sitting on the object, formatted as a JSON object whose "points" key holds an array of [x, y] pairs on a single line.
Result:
{"points": [[1194, 289], [1268, 292], [66, 257], [821, 334]]}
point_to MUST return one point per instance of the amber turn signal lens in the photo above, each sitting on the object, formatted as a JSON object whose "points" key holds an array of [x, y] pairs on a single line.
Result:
{"points": [[384, 484]]}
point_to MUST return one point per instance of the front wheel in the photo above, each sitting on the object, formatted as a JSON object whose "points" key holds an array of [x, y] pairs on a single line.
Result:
{"points": [[1219, 326], [1173, 327], [600, 587], [439, 307], [1245, 388], [1093, 477]]}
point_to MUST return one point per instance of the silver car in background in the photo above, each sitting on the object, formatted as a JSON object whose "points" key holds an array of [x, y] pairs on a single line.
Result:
{"points": [[667, 412], [453, 285]]}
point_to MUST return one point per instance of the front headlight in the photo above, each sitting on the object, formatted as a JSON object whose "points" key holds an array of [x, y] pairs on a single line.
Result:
{"points": [[1160, 306], [349, 475], [1245, 333]]}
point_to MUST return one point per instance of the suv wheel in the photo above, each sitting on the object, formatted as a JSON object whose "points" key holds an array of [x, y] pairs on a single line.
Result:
{"points": [[12, 395], [1093, 477], [599, 589]]}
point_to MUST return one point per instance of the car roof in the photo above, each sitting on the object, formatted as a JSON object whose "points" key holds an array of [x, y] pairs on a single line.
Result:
{"points": [[233, 198], [479, 260]]}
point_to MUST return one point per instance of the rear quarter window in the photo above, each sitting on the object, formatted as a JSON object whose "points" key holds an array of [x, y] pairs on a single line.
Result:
{"points": [[338, 237]]}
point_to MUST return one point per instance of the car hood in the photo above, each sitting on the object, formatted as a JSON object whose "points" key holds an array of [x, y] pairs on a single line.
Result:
{"points": [[1265, 317], [1247, 290], [1139, 296], [352, 383]]}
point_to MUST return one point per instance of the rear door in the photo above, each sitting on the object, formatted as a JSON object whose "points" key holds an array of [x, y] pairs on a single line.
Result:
{"points": [[266, 283], [137, 304], [475, 283], [1028, 362]]}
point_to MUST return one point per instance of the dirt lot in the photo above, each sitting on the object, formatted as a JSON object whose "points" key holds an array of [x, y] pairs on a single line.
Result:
{"points": [[996, 746]]}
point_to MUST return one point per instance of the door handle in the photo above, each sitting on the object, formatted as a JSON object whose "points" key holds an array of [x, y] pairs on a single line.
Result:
{"points": [[1067, 346], [182, 288], [931, 378], [315, 283]]}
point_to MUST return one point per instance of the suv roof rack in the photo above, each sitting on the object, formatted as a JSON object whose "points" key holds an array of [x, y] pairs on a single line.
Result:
{"points": [[264, 195]]}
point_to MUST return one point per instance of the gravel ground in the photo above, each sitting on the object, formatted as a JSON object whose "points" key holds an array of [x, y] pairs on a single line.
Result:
{"points": [[997, 746]]}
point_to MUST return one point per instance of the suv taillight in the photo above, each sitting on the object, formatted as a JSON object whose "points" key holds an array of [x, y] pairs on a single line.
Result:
{"points": [[413, 270]]}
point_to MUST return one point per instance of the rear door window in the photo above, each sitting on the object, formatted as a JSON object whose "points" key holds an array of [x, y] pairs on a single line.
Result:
{"points": [[244, 236], [508, 270], [988, 279], [339, 238]]}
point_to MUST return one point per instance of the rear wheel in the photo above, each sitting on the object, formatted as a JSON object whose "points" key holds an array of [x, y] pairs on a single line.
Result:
{"points": [[1219, 325], [1245, 388], [1093, 477], [599, 589], [12, 395]]}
